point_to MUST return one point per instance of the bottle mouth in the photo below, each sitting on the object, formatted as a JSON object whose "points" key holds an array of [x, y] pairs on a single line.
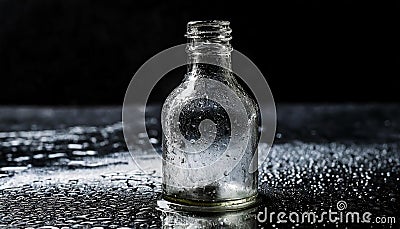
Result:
{"points": [[209, 30]]}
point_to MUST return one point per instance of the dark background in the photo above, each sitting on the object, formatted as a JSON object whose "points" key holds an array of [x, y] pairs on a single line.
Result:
{"points": [[82, 52]]}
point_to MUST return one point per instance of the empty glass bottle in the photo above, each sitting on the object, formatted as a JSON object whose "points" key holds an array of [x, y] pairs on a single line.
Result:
{"points": [[210, 127]]}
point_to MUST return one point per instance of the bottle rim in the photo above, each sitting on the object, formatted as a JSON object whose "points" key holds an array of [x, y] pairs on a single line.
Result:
{"points": [[209, 30]]}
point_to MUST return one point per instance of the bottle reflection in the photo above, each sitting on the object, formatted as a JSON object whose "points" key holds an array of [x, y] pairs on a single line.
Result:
{"points": [[236, 219]]}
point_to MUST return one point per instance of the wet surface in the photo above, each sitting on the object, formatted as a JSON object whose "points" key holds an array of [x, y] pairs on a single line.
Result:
{"points": [[71, 168]]}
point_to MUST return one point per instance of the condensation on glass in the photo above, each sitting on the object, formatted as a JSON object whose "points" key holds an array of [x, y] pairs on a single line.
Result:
{"points": [[210, 117]]}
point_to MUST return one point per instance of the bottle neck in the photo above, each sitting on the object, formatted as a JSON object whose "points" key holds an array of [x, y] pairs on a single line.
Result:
{"points": [[210, 60], [209, 49]]}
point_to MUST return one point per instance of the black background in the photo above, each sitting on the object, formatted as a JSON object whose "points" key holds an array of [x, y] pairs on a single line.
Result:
{"points": [[81, 52]]}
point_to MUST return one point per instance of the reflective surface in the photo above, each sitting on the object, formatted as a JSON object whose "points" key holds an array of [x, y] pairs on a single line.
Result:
{"points": [[82, 176]]}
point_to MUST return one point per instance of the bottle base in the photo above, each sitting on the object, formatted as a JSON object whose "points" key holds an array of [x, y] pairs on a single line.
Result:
{"points": [[179, 204]]}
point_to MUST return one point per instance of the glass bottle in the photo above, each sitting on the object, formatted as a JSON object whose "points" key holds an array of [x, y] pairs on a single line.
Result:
{"points": [[210, 127]]}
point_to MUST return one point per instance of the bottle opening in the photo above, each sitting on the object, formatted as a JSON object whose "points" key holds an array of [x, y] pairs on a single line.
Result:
{"points": [[209, 30]]}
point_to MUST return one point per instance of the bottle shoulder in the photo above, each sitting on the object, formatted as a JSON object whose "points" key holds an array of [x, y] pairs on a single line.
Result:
{"points": [[226, 91]]}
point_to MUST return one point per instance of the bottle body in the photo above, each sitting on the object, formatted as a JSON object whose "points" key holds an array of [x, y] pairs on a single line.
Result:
{"points": [[210, 133]]}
